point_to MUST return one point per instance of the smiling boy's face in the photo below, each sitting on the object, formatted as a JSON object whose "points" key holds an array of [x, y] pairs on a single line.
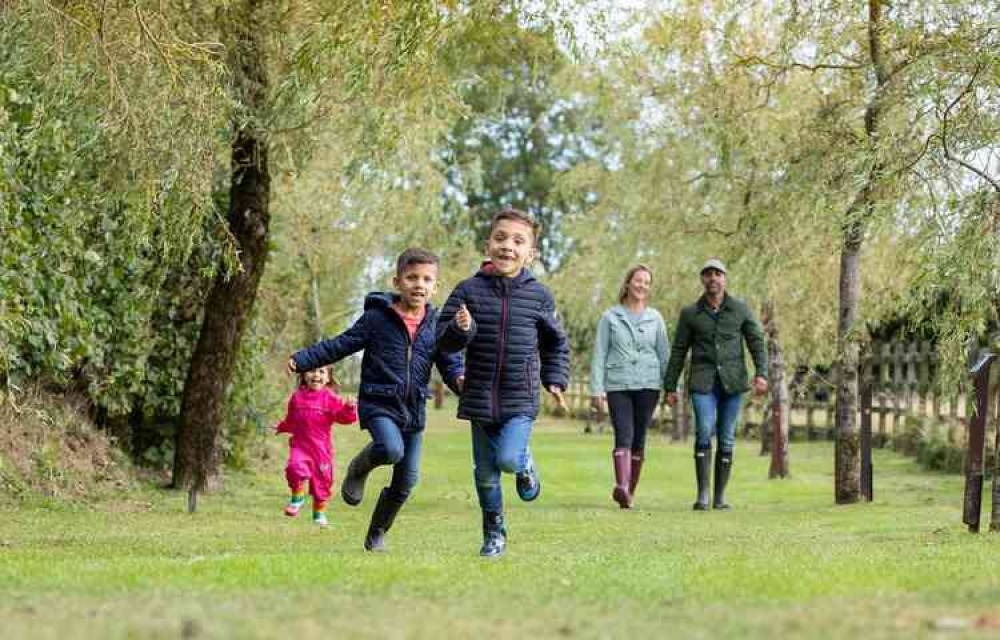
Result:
{"points": [[510, 246], [416, 284]]}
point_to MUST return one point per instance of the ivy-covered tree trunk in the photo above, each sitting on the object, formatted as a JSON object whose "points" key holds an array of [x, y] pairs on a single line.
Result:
{"points": [[229, 305], [847, 460]]}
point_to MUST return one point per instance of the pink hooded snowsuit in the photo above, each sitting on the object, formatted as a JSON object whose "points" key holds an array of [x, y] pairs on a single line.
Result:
{"points": [[310, 451]]}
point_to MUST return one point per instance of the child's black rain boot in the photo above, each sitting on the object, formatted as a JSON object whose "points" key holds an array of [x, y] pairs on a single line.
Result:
{"points": [[385, 512], [352, 489], [494, 535]]}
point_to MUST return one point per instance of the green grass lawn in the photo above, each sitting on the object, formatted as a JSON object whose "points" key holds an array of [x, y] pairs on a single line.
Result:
{"points": [[785, 562]]}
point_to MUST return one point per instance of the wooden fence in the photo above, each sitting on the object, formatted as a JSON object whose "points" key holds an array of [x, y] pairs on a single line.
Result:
{"points": [[903, 377], [902, 374]]}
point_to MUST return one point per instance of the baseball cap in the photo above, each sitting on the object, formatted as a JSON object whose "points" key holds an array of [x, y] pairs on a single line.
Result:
{"points": [[714, 263]]}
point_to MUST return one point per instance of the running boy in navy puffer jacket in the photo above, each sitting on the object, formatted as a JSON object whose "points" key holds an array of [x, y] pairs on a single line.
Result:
{"points": [[505, 320]]}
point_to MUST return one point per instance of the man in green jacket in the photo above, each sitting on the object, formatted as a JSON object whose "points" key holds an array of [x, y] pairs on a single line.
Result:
{"points": [[715, 328]]}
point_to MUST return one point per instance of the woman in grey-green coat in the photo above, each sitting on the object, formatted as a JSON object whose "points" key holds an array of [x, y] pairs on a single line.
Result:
{"points": [[630, 358]]}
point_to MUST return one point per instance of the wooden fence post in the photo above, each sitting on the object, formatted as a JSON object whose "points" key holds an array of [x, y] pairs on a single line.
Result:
{"points": [[977, 441], [995, 511], [438, 394]]}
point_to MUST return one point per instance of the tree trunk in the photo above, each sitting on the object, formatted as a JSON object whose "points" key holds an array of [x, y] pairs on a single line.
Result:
{"points": [[779, 396], [846, 451], [679, 413], [765, 429], [314, 313], [230, 303], [847, 462]]}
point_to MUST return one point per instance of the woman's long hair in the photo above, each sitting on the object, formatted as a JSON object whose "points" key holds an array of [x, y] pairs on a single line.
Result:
{"points": [[623, 292]]}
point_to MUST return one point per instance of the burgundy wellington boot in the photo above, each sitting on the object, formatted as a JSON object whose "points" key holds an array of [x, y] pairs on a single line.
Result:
{"points": [[623, 466]]}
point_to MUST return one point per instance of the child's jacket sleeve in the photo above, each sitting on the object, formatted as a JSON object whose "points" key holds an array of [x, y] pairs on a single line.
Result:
{"points": [[450, 338], [553, 347], [343, 412], [451, 366], [334, 349]]}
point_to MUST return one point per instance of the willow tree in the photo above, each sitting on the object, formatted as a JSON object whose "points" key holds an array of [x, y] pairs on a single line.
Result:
{"points": [[872, 71], [106, 195], [231, 298], [286, 62], [709, 163]]}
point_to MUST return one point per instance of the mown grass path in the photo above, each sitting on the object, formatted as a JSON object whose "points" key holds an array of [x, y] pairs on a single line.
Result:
{"points": [[784, 563]]}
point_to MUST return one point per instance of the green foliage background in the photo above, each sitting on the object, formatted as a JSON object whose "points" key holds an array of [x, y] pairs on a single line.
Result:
{"points": [[667, 136]]}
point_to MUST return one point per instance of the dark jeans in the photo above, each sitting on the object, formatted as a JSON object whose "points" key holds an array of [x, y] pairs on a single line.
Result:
{"points": [[631, 414], [716, 413], [401, 450], [499, 448]]}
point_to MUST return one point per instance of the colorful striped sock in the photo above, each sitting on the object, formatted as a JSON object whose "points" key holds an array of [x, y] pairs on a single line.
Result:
{"points": [[319, 513]]}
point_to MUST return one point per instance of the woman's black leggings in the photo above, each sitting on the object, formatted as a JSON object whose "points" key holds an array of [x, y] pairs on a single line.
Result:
{"points": [[631, 412]]}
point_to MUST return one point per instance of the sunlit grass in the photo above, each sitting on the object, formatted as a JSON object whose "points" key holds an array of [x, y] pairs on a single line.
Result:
{"points": [[786, 561]]}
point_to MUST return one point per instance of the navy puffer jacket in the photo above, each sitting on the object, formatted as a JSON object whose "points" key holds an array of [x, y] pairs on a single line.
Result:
{"points": [[514, 346], [394, 371]]}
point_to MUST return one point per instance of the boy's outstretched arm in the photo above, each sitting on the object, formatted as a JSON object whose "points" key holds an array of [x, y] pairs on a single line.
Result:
{"points": [[450, 335], [332, 350], [553, 347]]}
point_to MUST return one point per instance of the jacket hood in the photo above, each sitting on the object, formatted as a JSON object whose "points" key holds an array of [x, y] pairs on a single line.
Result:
{"points": [[385, 300], [378, 300]]}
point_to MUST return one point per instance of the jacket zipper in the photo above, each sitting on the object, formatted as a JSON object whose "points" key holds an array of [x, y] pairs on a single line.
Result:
{"points": [[409, 356], [500, 352]]}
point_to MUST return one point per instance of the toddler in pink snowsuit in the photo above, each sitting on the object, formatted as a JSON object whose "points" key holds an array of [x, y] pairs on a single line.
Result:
{"points": [[312, 409]]}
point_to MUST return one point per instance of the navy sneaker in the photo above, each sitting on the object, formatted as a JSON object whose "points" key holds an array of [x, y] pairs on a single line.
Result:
{"points": [[528, 484]]}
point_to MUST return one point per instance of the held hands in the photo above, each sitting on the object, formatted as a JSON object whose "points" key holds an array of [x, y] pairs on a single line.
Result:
{"points": [[600, 403], [463, 319], [759, 385], [557, 395], [671, 398]]}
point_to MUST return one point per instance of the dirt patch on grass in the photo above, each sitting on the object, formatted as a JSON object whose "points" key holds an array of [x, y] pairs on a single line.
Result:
{"points": [[49, 446]]}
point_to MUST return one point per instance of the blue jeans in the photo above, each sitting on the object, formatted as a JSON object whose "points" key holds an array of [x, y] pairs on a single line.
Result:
{"points": [[497, 448], [716, 413], [401, 450]]}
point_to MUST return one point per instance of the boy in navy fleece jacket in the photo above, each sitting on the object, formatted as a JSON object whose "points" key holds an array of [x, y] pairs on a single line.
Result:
{"points": [[505, 320], [397, 332]]}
